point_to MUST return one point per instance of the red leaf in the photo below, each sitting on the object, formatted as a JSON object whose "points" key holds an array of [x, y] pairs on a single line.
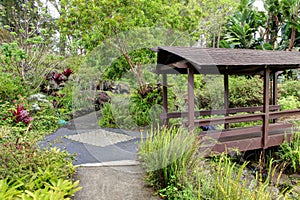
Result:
{"points": [[67, 72]]}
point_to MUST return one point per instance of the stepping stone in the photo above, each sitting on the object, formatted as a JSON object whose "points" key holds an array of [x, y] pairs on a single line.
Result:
{"points": [[100, 138]]}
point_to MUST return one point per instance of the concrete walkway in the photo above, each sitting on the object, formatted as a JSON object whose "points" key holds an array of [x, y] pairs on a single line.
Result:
{"points": [[106, 159]]}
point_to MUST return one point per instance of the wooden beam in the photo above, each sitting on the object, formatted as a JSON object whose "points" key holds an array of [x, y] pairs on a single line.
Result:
{"points": [[226, 98], [242, 145], [284, 113], [276, 140], [266, 107], [236, 132], [229, 119], [165, 98], [191, 97]]}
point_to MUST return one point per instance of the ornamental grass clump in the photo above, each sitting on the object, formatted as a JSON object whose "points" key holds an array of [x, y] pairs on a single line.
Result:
{"points": [[176, 169], [290, 152], [170, 157]]}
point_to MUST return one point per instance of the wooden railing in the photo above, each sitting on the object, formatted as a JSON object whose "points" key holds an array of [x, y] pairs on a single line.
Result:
{"points": [[246, 138], [218, 112]]}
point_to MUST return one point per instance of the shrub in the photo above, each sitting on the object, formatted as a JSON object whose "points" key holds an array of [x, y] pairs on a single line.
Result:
{"points": [[38, 187], [210, 95], [11, 87], [17, 115], [289, 103], [289, 88], [141, 102], [107, 119], [245, 91], [290, 152], [232, 181], [27, 172], [176, 169], [22, 159]]}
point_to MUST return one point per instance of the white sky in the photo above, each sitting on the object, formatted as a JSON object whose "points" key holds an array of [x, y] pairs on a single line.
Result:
{"points": [[259, 4]]}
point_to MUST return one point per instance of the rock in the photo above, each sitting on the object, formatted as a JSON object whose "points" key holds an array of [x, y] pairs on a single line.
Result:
{"points": [[122, 88], [274, 192], [207, 128], [101, 99], [105, 86]]}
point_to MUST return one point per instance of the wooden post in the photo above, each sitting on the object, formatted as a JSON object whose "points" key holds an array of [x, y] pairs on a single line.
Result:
{"points": [[226, 98], [266, 108], [275, 91], [191, 97], [165, 98]]}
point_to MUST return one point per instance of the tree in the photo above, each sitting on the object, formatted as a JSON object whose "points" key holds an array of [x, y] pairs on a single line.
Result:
{"points": [[290, 10], [243, 27], [26, 52], [215, 16], [273, 23], [86, 23]]}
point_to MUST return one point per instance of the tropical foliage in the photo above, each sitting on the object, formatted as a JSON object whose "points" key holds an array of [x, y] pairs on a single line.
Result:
{"points": [[46, 60]]}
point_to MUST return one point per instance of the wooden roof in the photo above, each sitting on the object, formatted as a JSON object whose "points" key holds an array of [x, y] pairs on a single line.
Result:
{"points": [[220, 61]]}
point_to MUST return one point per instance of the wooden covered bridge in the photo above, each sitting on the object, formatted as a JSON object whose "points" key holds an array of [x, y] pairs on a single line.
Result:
{"points": [[192, 60]]}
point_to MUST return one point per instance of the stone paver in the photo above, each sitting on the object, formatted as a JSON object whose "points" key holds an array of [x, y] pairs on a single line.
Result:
{"points": [[100, 138]]}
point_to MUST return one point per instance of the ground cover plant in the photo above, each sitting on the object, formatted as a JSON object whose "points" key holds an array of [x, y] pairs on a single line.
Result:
{"points": [[28, 113], [26, 171]]}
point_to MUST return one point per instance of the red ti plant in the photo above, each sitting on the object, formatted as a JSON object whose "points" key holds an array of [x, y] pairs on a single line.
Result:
{"points": [[57, 78], [21, 115], [67, 72]]}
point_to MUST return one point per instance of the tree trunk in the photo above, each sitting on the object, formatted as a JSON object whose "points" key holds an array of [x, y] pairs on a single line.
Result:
{"points": [[219, 36], [267, 29], [293, 36]]}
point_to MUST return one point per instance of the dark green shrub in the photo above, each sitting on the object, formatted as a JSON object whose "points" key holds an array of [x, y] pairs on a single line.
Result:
{"points": [[245, 91], [289, 88], [142, 102], [209, 92], [107, 119]]}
